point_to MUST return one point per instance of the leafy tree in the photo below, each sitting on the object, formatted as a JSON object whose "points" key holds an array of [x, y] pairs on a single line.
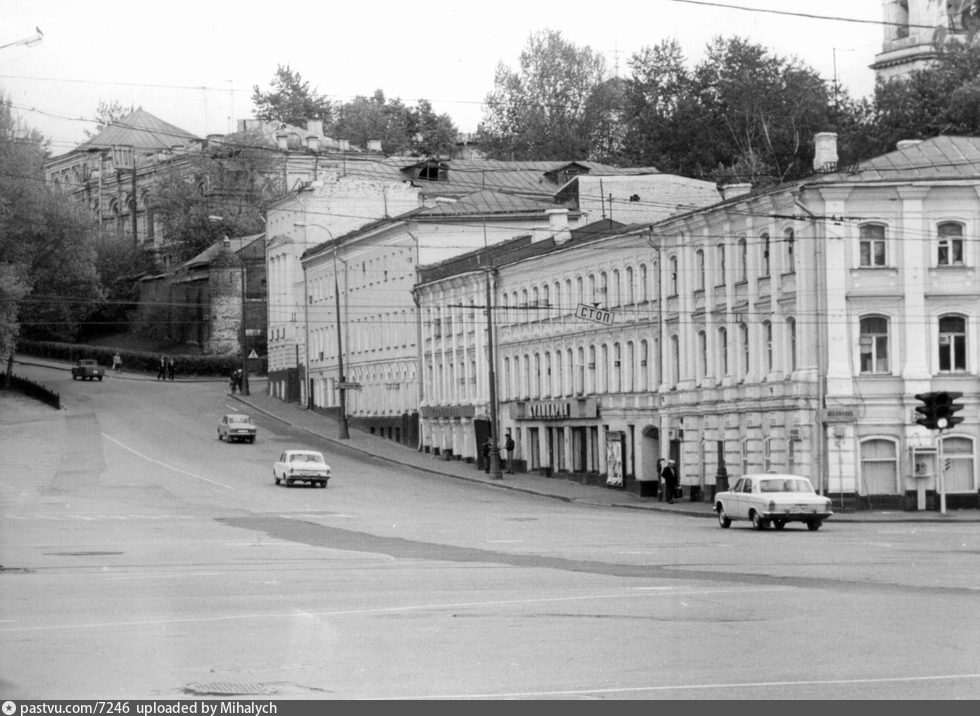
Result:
{"points": [[107, 113], [416, 131], [48, 282], [233, 179], [290, 100], [539, 110], [742, 114]]}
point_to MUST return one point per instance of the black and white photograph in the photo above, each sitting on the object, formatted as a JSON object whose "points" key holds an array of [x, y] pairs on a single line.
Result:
{"points": [[516, 352]]}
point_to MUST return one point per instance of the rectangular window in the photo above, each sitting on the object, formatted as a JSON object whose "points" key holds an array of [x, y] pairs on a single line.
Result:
{"points": [[874, 345], [873, 245], [952, 344], [950, 245]]}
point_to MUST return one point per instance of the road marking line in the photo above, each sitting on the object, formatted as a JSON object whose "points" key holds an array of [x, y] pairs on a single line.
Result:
{"points": [[382, 610], [163, 464], [692, 687]]}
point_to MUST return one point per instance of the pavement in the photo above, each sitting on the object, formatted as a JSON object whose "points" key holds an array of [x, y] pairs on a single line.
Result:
{"points": [[557, 487]]}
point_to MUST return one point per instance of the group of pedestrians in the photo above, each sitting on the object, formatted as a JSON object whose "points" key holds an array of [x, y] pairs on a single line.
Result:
{"points": [[235, 380], [508, 446], [166, 369]]}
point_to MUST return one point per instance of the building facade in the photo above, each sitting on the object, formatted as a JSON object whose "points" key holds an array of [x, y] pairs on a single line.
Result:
{"points": [[787, 330]]}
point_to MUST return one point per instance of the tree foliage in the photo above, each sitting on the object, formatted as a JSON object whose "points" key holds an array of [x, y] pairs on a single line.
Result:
{"points": [[413, 131], [48, 281], [107, 113], [290, 99], [221, 191], [539, 111]]}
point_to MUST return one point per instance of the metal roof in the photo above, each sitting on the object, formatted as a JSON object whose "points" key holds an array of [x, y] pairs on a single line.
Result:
{"points": [[140, 130], [943, 158]]}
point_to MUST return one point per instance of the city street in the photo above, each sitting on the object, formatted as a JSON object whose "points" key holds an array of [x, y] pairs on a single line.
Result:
{"points": [[141, 557]]}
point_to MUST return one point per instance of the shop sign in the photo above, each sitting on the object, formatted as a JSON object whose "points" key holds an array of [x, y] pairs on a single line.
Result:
{"points": [[576, 408], [435, 412], [840, 415]]}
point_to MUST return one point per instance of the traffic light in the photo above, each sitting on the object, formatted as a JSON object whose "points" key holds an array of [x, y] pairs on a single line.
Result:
{"points": [[945, 409], [937, 411], [926, 411]]}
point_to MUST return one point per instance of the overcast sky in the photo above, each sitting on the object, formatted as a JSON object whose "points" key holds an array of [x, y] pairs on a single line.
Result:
{"points": [[194, 63]]}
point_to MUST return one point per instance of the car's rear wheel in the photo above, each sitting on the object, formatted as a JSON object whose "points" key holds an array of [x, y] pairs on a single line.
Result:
{"points": [[723, 519], [220, 437], [813, 525], [323, 483], [758, 522], [251, 439], [779, 524], [275, 477]]}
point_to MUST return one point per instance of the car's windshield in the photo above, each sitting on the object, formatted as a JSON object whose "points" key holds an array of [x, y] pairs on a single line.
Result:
{"points": [[304, 457], [785, 485], [239, 419]]}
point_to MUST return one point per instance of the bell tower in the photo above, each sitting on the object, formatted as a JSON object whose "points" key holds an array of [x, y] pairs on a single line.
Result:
{"points": [[914, 28]]}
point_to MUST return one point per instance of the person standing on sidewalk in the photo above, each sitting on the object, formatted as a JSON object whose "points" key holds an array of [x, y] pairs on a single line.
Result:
{"points": [[509, 447], [162, 368], [117, 363], [669, 479], [171, 368]]}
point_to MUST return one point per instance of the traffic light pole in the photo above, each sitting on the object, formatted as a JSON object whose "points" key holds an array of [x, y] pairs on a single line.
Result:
{"points": [[941, 474]]}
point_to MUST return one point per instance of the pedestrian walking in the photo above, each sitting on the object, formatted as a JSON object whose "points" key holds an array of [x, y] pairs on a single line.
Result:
{"points": [[233, 381], [509, 447], [171, 368], [117, 363], [162, 368], [486, 455], [669, 478]]}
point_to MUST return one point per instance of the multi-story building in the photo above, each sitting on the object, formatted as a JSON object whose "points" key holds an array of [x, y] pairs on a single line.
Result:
{"points": [[472, 202], [788, 329]]}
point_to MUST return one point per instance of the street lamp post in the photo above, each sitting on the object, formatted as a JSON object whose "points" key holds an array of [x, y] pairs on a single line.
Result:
{"points": [[494, 456], [28, 41], [344, 428]]}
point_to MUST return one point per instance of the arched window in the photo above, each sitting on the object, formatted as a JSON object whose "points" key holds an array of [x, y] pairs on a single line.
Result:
{"points": [[699, 267], [702, 355], [604, 369], [879, 467], [767, 337], [743, 337], [630, 289], [791, 340], [723, 351], [789, 242], [743, 259], [672, 282], [720, 264], [764, 247], [644, 286], [675, 361], [629, 369], [617, 298], [644, 372], [874, 344], [617, 369]]}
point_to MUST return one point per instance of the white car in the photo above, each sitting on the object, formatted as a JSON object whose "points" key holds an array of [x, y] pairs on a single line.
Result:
{"points": [[301, 466], [766, 499], [236, 426]]}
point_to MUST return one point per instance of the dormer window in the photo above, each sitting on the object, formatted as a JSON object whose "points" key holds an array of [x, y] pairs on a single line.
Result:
{"points": [[432, 171]]}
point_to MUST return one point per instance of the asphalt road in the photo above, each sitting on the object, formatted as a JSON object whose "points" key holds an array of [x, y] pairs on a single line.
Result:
{"points": [[143, 558]]}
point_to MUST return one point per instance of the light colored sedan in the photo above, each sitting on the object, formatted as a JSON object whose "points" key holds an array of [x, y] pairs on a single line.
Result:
{"points": [[301, 466], [236, 426], [766, 499]]}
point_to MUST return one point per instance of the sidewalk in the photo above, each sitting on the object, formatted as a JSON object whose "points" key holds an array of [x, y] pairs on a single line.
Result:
{"points": [[559, 488], [555, 487]]}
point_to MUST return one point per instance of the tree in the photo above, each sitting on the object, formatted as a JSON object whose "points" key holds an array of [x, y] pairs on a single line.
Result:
{"points": [[941, 99], [107, 113], [539, 110], [290, 100], [416, 131], [48, 282], [742, 114], [233, 179]]}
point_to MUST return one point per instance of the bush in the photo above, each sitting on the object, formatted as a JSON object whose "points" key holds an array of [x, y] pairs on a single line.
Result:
{"points": [[138, 361]]}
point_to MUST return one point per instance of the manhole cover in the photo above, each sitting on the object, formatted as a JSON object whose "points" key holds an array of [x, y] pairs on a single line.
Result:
{"points": [[230, 688]]}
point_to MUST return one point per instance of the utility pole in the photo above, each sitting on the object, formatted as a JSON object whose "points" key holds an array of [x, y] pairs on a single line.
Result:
{"points": [[495, 472]]}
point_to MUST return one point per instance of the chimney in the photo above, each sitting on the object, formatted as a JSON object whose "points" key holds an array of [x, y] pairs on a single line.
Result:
{"points": [[343, 145], [558, 225], [315, 126], [907, 144], [730, 191], [825, 151], [313, 143], [374, 145], [282, 139]]}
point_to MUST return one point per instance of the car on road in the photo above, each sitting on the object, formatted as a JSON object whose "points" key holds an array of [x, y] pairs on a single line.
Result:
{"points": [[87, 369], [772, 499], [301, 466], [236, 426]]}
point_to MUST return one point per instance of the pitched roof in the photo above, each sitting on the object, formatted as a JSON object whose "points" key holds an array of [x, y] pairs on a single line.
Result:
{"points": [[935, 158], [485, 202], [207, 256], [140, 130]]}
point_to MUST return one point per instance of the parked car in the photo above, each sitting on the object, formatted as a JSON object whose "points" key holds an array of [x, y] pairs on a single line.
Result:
{"points": [[766, 499], [87, 369], [236, 426], [301, 466]]}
